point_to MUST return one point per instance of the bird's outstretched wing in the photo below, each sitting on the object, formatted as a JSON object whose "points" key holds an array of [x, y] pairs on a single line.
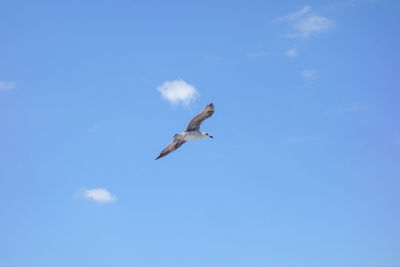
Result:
{"points": [[194, 124], [171, 147]]}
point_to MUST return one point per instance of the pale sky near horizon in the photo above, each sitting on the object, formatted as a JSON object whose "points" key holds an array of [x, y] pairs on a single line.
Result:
{"points": [[303, 170]]}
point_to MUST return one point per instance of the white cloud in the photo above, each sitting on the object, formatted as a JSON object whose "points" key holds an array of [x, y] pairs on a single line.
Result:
{"points": [[97, 194], [305, 23], [4, 86], [309, 75], [296, 14], [312, 24], [178, 92], [291, 53]]}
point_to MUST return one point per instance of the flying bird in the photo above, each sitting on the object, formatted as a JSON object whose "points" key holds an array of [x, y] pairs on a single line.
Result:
{"points": [[192, 132]]}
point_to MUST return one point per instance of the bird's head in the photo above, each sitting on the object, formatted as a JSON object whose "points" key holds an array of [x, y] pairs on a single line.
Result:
{"points": [[207, 135]]}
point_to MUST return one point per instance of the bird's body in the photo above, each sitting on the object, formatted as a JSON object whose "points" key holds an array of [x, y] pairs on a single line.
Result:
{"points": [[193, 135], [192, 132]]}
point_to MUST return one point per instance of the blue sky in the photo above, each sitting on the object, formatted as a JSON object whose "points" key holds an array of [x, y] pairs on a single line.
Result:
{"points": [[304, 167]]}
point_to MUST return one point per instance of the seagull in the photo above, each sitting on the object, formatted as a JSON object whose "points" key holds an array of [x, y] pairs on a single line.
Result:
{"points": [[192, 132]]}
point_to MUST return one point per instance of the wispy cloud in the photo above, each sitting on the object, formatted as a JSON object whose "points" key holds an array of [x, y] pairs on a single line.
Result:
{"points": [[97, 194], [305, 23], [178, 92], [296, 14], [5, 86], [309, 75], [291, 53], [313, 24]]}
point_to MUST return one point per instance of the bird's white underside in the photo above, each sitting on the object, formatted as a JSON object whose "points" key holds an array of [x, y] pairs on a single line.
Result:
{"points": [[193, 135]]}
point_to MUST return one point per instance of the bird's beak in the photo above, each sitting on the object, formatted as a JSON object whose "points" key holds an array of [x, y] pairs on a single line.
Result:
{"points": [[211, 136]]}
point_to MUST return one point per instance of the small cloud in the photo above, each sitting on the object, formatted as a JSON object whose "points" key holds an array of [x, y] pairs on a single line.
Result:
{"points": [[178, 92], [312, 24], [291, 53], [5, 86], [305, 23], [309, 75], [97, 194]]}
